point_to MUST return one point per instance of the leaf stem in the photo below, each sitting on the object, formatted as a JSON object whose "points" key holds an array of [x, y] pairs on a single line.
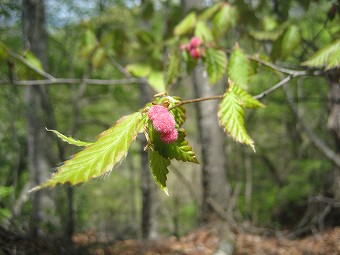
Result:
{"points": [[196, 100]]}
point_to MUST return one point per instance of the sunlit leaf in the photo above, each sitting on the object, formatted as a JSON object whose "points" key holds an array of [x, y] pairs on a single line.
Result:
{"points": [[69, 139], [216, 64], [159, 169], [247, 101], [98, 57], [186, 25], [139, 70], [239, 68], [231, 118], [88, 44], [178, 112], [101, 156], [328, 56]]}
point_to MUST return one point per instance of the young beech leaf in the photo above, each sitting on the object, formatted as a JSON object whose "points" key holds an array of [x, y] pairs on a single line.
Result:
{"points": [[186, 25], [216, 64], [224, 19], [247, 100], [328, 56], [172, 67], [178, 112], [239, 68], [69, 139], [159, 169], [231, 117], [179, 150], [99, 158]]}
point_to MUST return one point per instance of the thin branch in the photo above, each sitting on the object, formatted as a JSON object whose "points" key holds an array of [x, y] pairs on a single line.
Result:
{"points": [[27, 63], [53, 81], [275, 87], [279, 68]]}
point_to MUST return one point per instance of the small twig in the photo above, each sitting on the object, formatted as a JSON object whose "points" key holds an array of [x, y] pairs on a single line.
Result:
{"points": [[275, 87], [27, 63], [196, 100]]}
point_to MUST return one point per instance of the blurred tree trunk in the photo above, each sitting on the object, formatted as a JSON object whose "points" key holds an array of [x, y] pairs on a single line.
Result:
{"points": [[214, 178], [35, 40], [334, 126]]}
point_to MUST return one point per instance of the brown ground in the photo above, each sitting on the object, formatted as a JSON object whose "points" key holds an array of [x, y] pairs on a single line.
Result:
{"points": [[204, 241]]}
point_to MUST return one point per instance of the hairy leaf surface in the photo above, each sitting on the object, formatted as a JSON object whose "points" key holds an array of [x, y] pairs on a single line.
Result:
{"points": [[231, 117], [100, 157], [216, 64]]}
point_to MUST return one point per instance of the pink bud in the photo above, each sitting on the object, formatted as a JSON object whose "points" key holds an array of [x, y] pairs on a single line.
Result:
{"points": [[169, 137], [195, 42], [195, 53]]}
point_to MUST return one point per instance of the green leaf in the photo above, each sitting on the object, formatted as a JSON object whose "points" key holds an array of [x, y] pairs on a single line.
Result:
{"points": [[156, 80], [328, 56], [286, 43], [100, 157], [139, 70], [69, 139], [98, 57], [224, 19], [88, 44], [209, 12], [3, 52], [203, 32], [231, 117], [179, 150], [239, 68], [33, 60], [172, 69], [159, 169], [247, 101], [186, 25], [216, 64], [178, 112]]}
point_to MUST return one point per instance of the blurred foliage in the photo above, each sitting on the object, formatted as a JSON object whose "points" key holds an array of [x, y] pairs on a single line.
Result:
{"points": [[286, 169]]}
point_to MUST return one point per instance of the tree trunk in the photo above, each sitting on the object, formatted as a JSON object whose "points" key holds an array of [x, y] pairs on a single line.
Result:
{"points": [[148, 188], [35, 40], [214, 178]]}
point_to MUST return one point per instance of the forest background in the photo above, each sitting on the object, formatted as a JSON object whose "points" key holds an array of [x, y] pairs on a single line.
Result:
{"points": [[79, 66]]}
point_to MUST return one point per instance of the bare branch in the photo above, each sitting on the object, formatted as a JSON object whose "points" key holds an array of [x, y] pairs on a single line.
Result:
{"points": [[275, 87], [53, 81]]}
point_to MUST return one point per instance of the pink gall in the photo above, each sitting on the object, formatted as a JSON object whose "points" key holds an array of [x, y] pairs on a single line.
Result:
{"points": [[170, 137], [162, 120], [195, 53], [195, 42]]}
